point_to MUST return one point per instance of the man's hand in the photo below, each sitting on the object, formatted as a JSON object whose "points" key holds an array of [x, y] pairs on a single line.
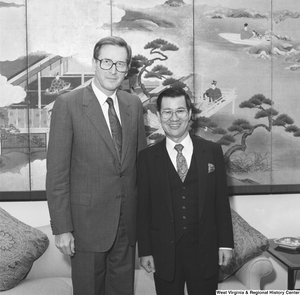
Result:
{"points": [[225, 256], [147, 263], [65, 243]]}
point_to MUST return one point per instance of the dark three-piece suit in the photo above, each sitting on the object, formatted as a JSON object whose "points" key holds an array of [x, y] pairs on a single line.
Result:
{"points": [[196, 209]]}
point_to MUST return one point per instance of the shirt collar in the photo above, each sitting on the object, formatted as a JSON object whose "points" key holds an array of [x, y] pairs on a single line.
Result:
{"points": [[186, 142], [101, 96]]}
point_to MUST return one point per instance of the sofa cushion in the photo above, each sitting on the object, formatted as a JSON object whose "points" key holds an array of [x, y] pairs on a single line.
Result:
{"points": [[231, 283], [20, 246], [46, 286], [248, 244]]}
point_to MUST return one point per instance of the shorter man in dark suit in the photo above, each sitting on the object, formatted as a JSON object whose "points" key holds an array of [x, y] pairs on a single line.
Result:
{"points": [[184, 221]]}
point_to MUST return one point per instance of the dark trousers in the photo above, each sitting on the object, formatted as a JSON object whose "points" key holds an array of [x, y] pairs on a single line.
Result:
{"points": [[187, 271], [105, 273]]}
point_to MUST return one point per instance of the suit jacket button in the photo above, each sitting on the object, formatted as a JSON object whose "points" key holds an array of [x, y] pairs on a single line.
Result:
{"points": [[172, 220], [172, 241]]}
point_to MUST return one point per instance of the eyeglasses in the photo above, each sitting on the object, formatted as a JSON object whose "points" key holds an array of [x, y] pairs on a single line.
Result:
{"points": [[180, 113], [106, 64]]}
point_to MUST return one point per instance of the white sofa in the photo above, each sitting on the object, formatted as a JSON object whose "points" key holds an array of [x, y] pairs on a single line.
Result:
{"points": [[50, 275]]}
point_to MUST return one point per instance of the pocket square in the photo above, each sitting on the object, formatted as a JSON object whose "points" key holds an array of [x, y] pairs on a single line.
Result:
{"points": [[211, 168]]}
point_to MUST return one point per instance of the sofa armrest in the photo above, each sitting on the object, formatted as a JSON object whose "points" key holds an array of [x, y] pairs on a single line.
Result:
{"points": [[52, 263], [251, 273]]}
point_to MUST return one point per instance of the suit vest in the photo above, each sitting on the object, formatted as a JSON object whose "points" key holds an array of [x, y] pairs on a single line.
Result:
{"points": [[185, 201]]}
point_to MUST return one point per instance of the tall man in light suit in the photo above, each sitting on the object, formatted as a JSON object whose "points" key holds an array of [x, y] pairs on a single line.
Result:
{"points": [[184, 221], [96, 133]]}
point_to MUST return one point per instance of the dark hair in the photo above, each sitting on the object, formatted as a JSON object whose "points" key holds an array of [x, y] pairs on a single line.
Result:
{"points": [[113, 40], [173, 92]]}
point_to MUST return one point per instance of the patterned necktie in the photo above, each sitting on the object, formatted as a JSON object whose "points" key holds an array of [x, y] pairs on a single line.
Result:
{"points": [[115, 126], [182, 167]]}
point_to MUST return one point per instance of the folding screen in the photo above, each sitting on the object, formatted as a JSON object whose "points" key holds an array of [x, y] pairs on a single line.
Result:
{"points": [[250, 49]]}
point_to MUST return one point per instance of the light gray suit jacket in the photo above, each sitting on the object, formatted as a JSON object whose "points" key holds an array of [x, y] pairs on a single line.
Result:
{"points": [[86, 185]]}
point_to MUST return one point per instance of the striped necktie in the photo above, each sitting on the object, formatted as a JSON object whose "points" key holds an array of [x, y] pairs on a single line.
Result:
{"points": [[115, 126]]}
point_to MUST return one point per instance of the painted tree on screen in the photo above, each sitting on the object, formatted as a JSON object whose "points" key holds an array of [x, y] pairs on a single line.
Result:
{"points": [[241, 129], [140, 64]]}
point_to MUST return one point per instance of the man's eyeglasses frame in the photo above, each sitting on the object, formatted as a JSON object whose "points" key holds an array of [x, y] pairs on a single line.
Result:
{"points": [[112, 63], [168, 114]]}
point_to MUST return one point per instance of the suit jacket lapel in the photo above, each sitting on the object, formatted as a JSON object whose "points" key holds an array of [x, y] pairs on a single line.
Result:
{"points": [[95, 114], [126, 118], [200, 155], [162, 173]]}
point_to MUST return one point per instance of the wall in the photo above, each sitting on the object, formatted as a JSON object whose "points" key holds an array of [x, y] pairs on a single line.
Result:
{"points": [[32, 213], [273, 215]]}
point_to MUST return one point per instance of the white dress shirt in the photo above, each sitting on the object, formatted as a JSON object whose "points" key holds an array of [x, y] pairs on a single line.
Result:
{"points": [[187, 151], [104, 105]]}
